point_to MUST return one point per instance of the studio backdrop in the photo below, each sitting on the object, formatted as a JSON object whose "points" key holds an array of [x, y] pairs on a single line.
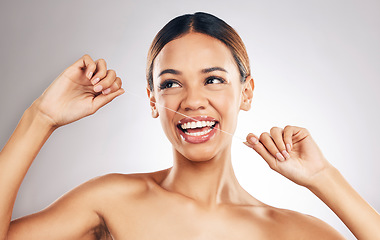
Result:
{"points": [[315, 65]]}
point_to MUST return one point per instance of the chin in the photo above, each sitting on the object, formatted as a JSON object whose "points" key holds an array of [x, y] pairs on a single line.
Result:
{"points": [[200, 157], [204, 152]]}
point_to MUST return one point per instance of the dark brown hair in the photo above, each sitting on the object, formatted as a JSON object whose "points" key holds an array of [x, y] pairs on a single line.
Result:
{"points": [[201, 23]]}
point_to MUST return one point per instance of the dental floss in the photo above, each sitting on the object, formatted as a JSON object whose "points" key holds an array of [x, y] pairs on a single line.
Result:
{"points": [[138, 96]]}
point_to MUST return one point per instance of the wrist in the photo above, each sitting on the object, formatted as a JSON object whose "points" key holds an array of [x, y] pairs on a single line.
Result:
{"points": [[38, 117], [325, 179]]}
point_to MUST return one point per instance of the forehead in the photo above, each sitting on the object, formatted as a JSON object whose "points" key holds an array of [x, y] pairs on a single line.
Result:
{"points": [[193, 52]]}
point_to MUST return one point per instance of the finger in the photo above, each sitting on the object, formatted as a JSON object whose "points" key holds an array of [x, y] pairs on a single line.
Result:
{"points": [[100, 72], [87, 64], [294, 134], [114, 87], [277, 136], [101, 100], [269, 144], [106, 82], [288, 134], [299, 134], [255, 144]]}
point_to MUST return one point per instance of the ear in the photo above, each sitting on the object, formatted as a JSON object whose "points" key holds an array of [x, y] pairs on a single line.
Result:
{"points": [[152, 100], [247, 94]]}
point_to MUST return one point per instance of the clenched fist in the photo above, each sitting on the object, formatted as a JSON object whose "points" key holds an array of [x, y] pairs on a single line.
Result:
{"points": [[79, 91]]}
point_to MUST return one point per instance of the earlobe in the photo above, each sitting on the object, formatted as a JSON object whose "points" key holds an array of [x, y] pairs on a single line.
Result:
{"points": [[152, 101], [154, 113], [247, 94]]}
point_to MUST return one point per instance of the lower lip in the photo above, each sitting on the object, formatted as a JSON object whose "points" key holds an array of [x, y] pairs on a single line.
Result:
{"points": [[199, 139]]}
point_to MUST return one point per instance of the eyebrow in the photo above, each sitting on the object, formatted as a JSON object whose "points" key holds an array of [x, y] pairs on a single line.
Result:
{"points": [[206, 70], [212, 69], [171, 71]]}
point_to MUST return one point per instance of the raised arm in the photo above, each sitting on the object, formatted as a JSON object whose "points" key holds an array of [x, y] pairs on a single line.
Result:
{"points": [[73, 95], [293, 153]]}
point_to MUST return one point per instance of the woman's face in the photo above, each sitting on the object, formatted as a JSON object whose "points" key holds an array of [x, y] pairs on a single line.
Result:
{"points": [[196, 75]]}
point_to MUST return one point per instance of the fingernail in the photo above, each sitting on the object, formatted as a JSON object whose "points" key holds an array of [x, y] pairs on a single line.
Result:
{"points": [[98, 88], [280, 157], [90, 75], [254, 140], [288, 148], [248, 144], [286, 154], [108, 90], [95, 81]]}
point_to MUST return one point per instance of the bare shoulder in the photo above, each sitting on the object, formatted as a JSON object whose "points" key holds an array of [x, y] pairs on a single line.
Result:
{"points": [[81, 213], [295, 224], [119, 185]]}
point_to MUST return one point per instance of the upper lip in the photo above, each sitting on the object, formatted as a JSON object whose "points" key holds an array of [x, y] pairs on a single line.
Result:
{"points": [[196, 118]]}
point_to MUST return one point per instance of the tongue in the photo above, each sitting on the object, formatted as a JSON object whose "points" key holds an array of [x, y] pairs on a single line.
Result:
{"points": [[193, 130]]}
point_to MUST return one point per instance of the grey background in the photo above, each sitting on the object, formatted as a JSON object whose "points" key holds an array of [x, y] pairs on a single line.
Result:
{"points": [[315, 63]]}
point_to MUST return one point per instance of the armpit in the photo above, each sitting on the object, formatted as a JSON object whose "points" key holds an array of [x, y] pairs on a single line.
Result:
{"points": [[101, 232]]}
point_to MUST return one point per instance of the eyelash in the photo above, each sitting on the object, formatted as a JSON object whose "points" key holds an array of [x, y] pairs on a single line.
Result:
{"points": [[166, 83], [217, 78]]}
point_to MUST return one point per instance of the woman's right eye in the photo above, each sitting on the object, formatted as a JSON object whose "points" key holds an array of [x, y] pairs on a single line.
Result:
{"points": [[169, 84]]}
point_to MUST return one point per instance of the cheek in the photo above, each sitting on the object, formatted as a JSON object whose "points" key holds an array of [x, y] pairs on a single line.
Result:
{"points": [[228, 100], [168, 105], [228, 106]]}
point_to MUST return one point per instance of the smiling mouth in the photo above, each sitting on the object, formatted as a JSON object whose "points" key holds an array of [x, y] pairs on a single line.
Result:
{"points": [[197, 128]]}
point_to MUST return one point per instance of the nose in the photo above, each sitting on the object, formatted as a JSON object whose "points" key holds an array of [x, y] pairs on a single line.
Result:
{"points": [[194, 99]]}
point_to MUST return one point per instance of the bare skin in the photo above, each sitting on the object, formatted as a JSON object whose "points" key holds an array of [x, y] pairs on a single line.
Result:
{"points": [[199, 197]]}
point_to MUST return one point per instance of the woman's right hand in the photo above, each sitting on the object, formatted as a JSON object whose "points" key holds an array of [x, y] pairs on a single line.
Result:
{"points": [[79, 91]]}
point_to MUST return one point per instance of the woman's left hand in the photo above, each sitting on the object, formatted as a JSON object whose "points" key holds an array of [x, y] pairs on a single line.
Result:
{"points": [[291, 152]]}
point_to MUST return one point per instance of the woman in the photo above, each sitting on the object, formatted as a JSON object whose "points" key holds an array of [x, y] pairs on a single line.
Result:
{"points": [[198, 80]]}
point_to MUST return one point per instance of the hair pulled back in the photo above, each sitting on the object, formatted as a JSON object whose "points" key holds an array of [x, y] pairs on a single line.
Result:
{"points": [[200, 23]]}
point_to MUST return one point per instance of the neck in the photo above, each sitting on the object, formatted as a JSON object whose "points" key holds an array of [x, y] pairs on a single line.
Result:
{"points": [[210, 182]]}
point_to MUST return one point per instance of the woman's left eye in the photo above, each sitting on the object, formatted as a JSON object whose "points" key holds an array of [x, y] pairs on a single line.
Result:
{"points": [[214, 80]]}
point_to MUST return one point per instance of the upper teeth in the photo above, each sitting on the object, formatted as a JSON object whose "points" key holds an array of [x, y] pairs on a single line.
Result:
{"points": [[198, 124]]}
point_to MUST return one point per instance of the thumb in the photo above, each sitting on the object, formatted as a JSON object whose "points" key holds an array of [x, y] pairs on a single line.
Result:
{"points": [[101, 99], [254, 143]]}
